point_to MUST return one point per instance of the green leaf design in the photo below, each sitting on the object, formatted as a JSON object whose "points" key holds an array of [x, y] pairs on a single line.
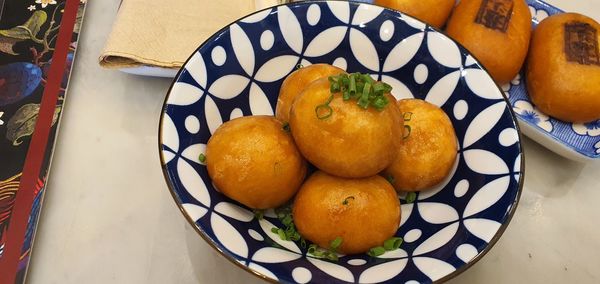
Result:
{"points": [[28, 30], [22, 124]]}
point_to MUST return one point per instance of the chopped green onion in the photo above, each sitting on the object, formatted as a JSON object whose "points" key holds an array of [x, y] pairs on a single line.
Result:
{"points": [[411, 197], [323, 111], [364, 99], [282, 234], [312, 248], [392, 243], [345, 202], [390, 179], [202, 158], [302, 243], [286, 127], [376, 251], [317, 252], [407, 116], [287, 220], [361, 87], [334, 87], [335, 244], [259, 214], [346, 95], [378, 88], [298, 66], [352, 87], [331, 256], [387, 89], [380, 103], [284, 214]]}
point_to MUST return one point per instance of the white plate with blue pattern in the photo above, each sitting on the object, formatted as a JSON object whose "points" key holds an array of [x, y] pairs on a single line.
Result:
{"points": [[239, 71], [575, 141]]}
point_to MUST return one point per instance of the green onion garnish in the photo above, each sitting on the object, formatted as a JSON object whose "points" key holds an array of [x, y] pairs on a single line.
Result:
{"points": [[411, 197], [407, 116], [259, 214], [361, 87], [390, 179], [298, 66], [347, 200], [352, 85], [324, 111], [376, 251], [202, 158], [392, 243], [335, 244], [317, 252], [284, 214], [312, 248], [282, 234]]}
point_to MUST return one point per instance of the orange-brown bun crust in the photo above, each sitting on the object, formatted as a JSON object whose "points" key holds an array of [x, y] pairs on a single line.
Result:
{"points": [[353, 142], [500, 43], [363, 212], [429, 149], [254, 161], [562, 80], [295, 83], [433, 12]]}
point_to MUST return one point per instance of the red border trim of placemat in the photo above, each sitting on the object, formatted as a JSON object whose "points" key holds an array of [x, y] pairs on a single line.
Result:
{"points": [[35, 154]]}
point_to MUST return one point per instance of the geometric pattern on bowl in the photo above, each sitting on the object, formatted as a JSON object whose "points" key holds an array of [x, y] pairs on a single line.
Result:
{"points": [[239, 71]]}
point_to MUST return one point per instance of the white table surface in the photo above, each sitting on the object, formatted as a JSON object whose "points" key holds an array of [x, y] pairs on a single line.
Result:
{"points": [[109, 218]]}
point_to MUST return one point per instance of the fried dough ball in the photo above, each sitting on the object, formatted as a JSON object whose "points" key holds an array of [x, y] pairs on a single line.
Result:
{"points": [[496, 32], [254, 161], [295, 83], [563, 67], [352, 142], [363, 212], [429, 149], [433, 12]]}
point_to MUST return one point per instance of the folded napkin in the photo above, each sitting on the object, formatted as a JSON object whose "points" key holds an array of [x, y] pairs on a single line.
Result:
{"points": [[161, 33]]}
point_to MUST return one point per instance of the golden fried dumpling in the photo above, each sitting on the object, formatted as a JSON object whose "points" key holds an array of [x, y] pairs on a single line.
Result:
{"points": [[342, 138], [429, 149], [295, 83], [254, 161], [362, 212]]}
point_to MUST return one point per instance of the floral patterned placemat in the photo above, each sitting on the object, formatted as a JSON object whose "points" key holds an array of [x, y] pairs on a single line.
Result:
{"points": [[38, 39]]}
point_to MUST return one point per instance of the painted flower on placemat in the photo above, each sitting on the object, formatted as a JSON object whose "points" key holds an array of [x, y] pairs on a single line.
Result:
{"points": [[589, 129], [530, 113], [45, 3], [537, 15]]}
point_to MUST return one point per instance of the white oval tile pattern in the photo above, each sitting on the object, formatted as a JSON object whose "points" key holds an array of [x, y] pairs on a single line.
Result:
{"points": [[313, 15]]}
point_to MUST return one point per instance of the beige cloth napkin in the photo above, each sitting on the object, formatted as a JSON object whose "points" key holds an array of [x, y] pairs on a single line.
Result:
{"points": [[163, 33]]}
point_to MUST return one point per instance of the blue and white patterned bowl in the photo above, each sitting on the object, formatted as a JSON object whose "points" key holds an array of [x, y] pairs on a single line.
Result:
{"points": [[239, 71]]}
